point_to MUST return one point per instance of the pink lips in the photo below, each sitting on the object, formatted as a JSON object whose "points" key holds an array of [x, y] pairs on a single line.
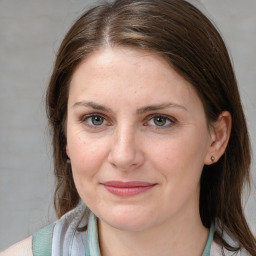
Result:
{"points": [[125, 189]]}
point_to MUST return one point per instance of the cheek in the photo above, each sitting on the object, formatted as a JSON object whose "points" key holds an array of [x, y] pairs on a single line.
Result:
{"points": [[87, 158], [86, 155], [180, 159]]}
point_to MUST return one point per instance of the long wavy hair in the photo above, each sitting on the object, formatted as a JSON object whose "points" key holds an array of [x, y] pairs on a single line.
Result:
{"points": [[185, 37]]}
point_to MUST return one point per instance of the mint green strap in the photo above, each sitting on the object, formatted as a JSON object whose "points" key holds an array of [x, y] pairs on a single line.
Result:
{"points": [[92, 243], [207, 249], [42, 241]]}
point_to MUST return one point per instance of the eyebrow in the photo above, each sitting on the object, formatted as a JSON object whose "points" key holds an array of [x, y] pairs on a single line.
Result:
{"points": [[159, 107], [141, 110], [93, 105]]}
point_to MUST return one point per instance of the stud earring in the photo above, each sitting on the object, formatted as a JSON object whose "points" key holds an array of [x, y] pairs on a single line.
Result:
{"points": [[68, 161], [213, 158]]}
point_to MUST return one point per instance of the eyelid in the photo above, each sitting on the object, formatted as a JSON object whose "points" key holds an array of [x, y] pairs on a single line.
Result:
{"points": [[87, 116], [145, 122], [170, 118]]}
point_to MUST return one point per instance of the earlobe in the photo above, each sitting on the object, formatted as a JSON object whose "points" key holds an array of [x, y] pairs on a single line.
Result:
{"points": [[220, 134]]}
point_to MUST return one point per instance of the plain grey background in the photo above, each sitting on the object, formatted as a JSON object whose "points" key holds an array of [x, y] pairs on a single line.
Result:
{"points": [[30, 33]]}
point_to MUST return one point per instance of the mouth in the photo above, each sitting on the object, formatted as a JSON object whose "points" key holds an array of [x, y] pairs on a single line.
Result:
{"points": [[127, 189]]}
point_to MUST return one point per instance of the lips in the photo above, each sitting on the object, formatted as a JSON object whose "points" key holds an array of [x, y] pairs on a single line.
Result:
{"points": [[126, 189]]}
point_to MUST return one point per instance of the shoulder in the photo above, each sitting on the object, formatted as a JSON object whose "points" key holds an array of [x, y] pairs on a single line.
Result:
{"points": [[22, 248], [60, 236]]}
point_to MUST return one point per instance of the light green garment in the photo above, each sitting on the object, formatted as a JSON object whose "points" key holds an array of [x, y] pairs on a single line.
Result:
{"points": [[42, 241]]}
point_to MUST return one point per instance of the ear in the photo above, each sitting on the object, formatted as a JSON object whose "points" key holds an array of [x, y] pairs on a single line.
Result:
{"points": [[220, 133]]}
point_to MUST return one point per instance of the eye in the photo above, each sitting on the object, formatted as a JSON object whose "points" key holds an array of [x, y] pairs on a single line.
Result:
{"points": [[94, 120], [160, 121]]}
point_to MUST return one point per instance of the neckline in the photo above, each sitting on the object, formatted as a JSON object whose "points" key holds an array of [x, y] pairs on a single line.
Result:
{"points": [[92, 243]]}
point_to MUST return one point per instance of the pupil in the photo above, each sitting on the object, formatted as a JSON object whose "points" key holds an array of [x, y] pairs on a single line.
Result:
{"points": [[160, 121], [97, 120]]}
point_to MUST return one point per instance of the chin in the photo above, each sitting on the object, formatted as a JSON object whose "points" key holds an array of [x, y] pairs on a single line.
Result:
{"points": [[127, 225], [127, 220]]}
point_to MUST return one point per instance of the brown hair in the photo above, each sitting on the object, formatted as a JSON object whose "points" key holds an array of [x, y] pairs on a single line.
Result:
{"points": [[191, 44]]}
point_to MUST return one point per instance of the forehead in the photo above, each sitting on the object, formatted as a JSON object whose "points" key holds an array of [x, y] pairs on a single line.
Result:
{"points": [[127, 72]]}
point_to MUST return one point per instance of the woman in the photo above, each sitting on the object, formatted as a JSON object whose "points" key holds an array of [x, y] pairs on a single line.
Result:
{"points": [[149, 133]]}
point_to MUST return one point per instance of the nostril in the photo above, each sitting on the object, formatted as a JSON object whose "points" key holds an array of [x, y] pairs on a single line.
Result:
{"points": [[125, 152], [125, 158]]}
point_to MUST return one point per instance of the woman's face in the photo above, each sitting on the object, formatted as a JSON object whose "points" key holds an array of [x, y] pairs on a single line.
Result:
{"points": [[137, 138]]}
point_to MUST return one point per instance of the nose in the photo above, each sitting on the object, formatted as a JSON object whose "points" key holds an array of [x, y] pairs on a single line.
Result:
{"points": [[126, 153]]}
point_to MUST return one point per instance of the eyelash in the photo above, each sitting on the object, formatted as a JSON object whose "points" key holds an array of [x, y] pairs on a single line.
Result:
{"points": [[170, 120], [90, 116]]}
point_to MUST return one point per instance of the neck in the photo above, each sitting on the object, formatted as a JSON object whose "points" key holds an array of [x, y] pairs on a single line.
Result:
{"points": [[182, 236]]}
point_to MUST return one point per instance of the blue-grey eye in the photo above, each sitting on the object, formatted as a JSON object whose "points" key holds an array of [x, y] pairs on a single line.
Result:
{"points": [[95, 120], [160, 121]]}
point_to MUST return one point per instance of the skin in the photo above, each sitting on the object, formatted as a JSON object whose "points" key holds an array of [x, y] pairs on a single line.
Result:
{"points": [[166, 144]]}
